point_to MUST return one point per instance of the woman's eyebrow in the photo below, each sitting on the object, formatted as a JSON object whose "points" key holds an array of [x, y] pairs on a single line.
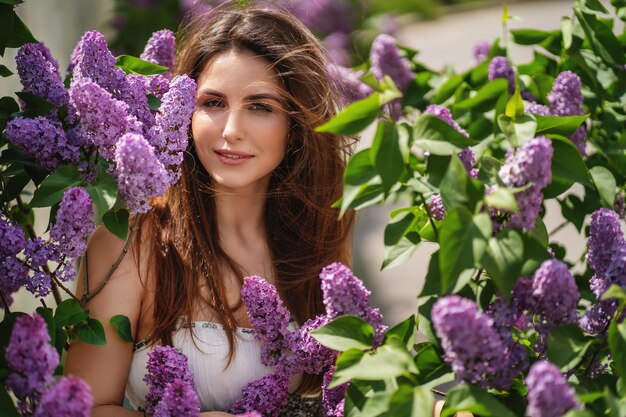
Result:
{"points": [[266, 96], [211, 92]]}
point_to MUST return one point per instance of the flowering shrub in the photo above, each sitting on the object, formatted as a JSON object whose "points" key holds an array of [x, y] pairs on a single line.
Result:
{"points": [[522, 330]]}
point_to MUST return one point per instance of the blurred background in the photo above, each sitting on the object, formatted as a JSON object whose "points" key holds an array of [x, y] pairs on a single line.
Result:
{"points": [[443, 32]]}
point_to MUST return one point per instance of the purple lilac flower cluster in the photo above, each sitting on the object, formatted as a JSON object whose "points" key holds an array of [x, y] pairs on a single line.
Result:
{"points": [[299, 352], [13, 272], [566, 99], [179, 399], [549, 395], [499, 67], [348, 84], [607, 257], [103, 105], [472, 345], [70, 397], [165, 366], [436, 208], [31, 360], [387, 60], [268, 315], [481, 51], [74, 222], [530, 164]]}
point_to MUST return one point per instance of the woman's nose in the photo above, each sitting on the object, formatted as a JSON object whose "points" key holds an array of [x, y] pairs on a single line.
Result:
{"points": [[234, 125]]}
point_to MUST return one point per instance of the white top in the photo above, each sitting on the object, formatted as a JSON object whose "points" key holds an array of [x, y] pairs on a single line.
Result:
{"points": [[218, 386]]}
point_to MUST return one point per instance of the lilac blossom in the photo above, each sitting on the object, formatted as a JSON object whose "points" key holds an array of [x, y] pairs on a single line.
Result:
{"points": [[444, 114], [481, 51], [37, 253], [468, 157], [348, 84], [140, 175], [549, 395], [160, 49], [553, 298], [102, 116], [266, 396], [539, 109], [343, 293], [43, 139], [250, 414], [74, 222], [499, 67], [387, 60], [165, 365], [13, 274], [39, 73], [597, 319], [31, 359], [310, 355], [179, 400], [333, 399], [70, 397], [157, 85], [605, 238], [336, 45], [268, 315], [11, 236], [472, 345], [323, 16], [566, 99], [528, 164], [170, 133], [436, 208]]}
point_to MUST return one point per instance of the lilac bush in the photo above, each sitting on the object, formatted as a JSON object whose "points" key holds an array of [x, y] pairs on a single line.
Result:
{"points": [[179, 400], [69, 397], [549, 395], [165, 365]]}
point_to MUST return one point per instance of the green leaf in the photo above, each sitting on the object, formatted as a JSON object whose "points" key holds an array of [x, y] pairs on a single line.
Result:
{"points": [[46, 314], [601, 38], [567, 345], [458, 189], [605, 184], [447, 89], [568, 167], [388, 361], [103, 191], [354, 118], [559, 125], [430, 365], [530, 36], [20, 34], [401, 239], [616, 292], [5, 72], [573, 210], [133, 65], [463, 241], [345, 332], [92, 332], [35, 105], [122, 325], [502, 198], [410, 401], [566, 32], [70, 313], [437, 137], [51, 190], [153, 102], [7, 408], [517, 131], [12, 2], [405, 330], [386, 154], [515, 105], [116, 221], [357, 177], [486, 96], [617, 344], [475, 400], [503, 260]]}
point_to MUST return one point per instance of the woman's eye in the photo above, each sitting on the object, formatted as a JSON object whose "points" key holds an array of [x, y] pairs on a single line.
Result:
{"points": [[213, 103], [261, 107]]}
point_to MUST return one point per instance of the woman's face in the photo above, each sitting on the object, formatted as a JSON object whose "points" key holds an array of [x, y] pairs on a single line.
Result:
{"points": [[240, 127]]}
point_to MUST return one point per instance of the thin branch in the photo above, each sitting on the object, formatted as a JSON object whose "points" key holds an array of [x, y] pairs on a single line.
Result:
{"points": [[33, 235], [89, 295], [479, 272], [64, 288], [85, 265], [559, 227], [430, 217], [438, 392]]}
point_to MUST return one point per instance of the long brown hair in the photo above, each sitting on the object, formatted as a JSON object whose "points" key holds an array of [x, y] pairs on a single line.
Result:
{"points": [[304, 232]]}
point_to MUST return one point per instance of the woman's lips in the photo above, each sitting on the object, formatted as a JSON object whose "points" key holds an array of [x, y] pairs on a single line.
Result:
{"points": [[229, 157]]}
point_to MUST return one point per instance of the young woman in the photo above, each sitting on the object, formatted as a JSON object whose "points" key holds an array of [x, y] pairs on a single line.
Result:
{"points": [[254, 199]]}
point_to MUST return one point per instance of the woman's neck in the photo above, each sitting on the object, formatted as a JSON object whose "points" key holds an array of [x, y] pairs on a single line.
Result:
{"points": [[240, 215]]}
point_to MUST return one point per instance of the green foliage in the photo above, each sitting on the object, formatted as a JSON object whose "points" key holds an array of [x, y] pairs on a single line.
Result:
{"points": [[122, 325], [344, 333]]}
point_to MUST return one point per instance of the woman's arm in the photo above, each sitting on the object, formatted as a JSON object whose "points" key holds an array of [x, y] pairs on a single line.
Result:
{"points": [[105, 368]]}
